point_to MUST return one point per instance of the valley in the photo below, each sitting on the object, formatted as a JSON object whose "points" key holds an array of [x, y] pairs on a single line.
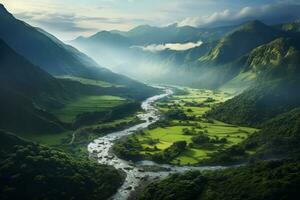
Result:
{"points": [[137, 172], [201, 108]]}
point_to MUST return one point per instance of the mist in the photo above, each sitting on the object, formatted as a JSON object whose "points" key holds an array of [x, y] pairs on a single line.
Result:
{"points": [[170, 46]]}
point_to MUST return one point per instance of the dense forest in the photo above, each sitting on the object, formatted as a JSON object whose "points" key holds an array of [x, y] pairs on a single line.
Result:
{"points": [[270, 180], [32, 171]]}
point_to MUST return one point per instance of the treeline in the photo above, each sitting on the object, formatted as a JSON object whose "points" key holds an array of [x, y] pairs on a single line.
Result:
{"points": [[273, 180]]}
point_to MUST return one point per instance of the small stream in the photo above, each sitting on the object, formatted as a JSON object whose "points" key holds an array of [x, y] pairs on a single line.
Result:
{"points": [[100, 149]]}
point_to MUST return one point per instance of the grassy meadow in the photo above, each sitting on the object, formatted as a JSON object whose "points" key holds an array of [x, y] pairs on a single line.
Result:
{"points": [[88, 104], [194, 104]]}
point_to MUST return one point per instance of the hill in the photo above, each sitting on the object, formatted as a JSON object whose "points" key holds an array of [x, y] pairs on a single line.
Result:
{"points": [[105, 38], [20, 83], [34, 102], [277, 67], [31, 171], [241, 41], [278, 138]]}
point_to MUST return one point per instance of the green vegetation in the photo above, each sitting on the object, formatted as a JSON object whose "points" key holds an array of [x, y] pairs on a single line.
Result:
{"points": [[273, 180], [31, 171], [258, 104], [185, 121], [87, 104], [29, 93], [240, 83], [242, 40], [276, 89], [277, 139], [75, 142], [89, 81]]}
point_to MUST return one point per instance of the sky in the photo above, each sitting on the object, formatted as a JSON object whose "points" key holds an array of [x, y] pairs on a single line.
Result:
{"points": [[69, 19]]}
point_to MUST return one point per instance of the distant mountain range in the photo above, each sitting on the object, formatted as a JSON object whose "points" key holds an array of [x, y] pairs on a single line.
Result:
{"points": [[220, 60], [120, 50]]}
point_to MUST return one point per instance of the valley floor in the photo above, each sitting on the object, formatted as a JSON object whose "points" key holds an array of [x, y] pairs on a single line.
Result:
{"points": [[185, 120]]}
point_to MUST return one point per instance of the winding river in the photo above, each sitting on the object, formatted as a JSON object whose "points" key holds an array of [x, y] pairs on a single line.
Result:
{"points": [[135, 173]]}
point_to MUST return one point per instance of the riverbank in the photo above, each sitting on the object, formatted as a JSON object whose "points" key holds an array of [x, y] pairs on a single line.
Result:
{"points": [[100, 149]]}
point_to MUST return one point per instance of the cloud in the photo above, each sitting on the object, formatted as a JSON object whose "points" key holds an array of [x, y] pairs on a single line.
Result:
{"points": [[55, 21], [71, 25], [270, 14], [170, 46]]}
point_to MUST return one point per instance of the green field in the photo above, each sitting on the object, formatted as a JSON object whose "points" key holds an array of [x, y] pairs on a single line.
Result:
{"points": [[89, 81], [174, 132], [87, 104]]}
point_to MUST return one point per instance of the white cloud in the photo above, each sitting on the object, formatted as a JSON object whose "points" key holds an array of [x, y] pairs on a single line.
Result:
{"points": [[272, 13], [170, 46]]}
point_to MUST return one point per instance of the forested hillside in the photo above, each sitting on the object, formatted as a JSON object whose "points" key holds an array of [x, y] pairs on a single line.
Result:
{"points": [[32, 171]]}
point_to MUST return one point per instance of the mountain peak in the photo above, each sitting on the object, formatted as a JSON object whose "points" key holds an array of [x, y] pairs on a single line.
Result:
{"points": [[255, 24], [3, 11], [141, 27], [2, 8], [103, 34]]}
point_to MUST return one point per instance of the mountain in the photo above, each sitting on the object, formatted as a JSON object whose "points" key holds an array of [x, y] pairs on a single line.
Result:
{"points": [[277, 59], [215, 63], [276, 87], [145, 34], [126, 51], [55, 58], [109, 49], [290, 27], [20, 83], [219, 60], [241, 41], [105, 38], [32, 171], [52, 55], [29, 95]]}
